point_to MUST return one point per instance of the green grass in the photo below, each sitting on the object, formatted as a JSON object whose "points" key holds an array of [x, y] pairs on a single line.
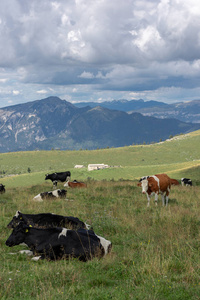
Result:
{"points": [[155, 252], [176, 157]]}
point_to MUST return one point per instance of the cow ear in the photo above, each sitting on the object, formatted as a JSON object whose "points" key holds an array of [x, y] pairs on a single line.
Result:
{"points": [[30, 226], [26, 230]]}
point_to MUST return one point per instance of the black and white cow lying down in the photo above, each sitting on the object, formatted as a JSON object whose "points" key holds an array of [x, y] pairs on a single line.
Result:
{"points": [[49, 195], [46, 220], [60, 243]]}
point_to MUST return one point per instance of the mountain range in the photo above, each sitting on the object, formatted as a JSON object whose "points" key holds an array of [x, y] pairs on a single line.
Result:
{"points": [[184, 111], [53, 123]]}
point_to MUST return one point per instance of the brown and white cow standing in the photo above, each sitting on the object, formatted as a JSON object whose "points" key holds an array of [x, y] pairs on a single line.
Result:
{"points": [[157, 184]]}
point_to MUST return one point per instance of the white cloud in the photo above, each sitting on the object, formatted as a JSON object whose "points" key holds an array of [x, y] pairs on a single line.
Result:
{"points": [[115, 48], [42, 92], [3, 80], [16, 92]]}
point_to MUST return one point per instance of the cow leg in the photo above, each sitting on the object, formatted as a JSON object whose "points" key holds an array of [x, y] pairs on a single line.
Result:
{"points": [[163, 199], [156, 199], [167, 196], [55, 184], [167, 199], [148, 199]]}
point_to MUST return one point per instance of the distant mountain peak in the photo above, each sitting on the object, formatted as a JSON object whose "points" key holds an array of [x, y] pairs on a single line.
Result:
{"points": [[54, 123]]}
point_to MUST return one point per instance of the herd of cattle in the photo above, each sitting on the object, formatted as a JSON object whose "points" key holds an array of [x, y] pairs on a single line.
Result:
{"points": [[55, 237]]}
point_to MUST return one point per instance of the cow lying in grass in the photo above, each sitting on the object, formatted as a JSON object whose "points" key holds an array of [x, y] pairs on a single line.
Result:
{"points": [[49, 195], [46, 220], [60, 243], [75, 184]]}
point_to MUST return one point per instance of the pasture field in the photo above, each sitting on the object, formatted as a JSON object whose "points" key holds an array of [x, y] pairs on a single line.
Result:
{"points": [[178, 157], [155, 253]]}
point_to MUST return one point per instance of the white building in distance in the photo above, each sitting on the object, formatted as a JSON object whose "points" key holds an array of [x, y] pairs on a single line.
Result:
{"points": [[92, 167]]}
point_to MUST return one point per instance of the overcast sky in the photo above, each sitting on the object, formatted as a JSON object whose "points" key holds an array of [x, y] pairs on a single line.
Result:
{"points": [[99, 50]]}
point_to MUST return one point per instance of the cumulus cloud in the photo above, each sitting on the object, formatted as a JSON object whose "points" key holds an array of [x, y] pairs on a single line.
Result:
{"points": [[99, 49]]}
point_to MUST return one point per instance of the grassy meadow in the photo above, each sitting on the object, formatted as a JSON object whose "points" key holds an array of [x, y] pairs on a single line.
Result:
{"points": [[155, 253]]}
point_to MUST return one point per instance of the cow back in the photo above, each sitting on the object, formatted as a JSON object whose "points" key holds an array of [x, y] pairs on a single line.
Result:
{"points": [[164, 182]]}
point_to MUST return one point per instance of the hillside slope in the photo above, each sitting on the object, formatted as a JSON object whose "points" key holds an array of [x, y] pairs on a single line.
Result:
{"points": [[178, 157]]}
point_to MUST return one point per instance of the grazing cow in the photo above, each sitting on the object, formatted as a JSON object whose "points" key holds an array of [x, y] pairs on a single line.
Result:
{"points": [[55, 177], [2, 188], [186, 181], [59, 243], [156, 184], [75, 184], [49, 195], [174, 181], [46, 220]]}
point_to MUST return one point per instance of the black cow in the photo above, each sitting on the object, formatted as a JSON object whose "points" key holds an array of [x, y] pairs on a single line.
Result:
{"points": [[186, 181], [49, 195], [46, 220], [55, 177], [2, 188], [58, 243]]}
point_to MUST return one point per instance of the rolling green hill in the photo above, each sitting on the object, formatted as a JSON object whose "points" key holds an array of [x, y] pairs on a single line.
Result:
{"points": [[178, 157], [155, 250]]}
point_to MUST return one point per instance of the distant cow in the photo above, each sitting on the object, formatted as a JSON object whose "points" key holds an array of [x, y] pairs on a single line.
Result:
{"points": [[2, 188], [186, 181], [174, 181], [55, 177], [46, 220], [75, 184], [58, 243], [156, 184], [49, 195]]}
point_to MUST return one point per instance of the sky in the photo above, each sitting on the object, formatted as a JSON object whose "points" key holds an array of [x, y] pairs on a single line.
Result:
{"points": [[99, 50]]}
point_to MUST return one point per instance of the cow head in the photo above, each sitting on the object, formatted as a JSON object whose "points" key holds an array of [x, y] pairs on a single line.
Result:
{"points": [[145, 185], [15, 220], [62, 193], [18, 235], [46, 176]]}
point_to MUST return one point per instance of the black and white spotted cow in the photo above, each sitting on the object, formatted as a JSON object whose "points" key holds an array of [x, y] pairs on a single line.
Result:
{"points": [[59, 176], [186, 181], [49, 195], [46, 220], [60, 243]]}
